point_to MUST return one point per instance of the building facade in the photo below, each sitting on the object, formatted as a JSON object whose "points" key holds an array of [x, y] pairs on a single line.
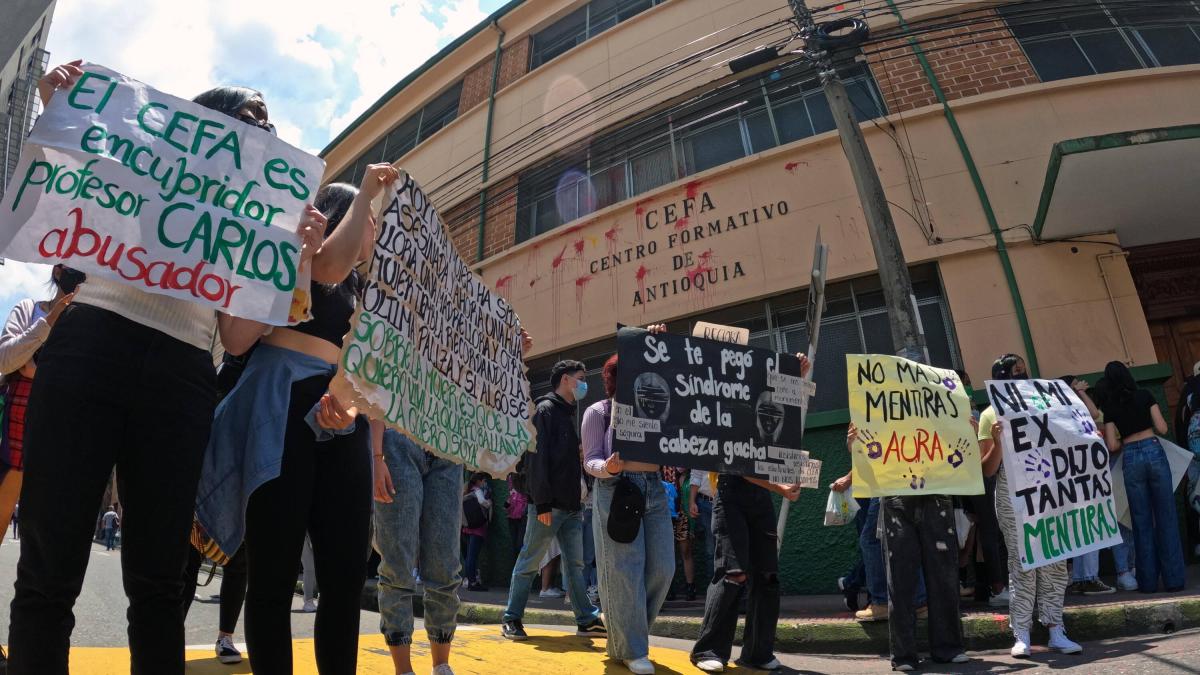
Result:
{"points": [[602, 163], [24, 59]]}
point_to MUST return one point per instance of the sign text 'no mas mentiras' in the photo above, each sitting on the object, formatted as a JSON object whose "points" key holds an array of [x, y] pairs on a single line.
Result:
{"points": [[1057, 466], [128, 183]]}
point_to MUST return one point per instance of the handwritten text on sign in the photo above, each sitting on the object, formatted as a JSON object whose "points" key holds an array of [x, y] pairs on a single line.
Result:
{"points": [[1057, 466], [433, 352], [914, 429], [127, 183], [703, 404]]}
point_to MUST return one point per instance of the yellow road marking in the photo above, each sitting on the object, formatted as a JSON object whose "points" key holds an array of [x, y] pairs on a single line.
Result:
{"points": [[478, 650]]}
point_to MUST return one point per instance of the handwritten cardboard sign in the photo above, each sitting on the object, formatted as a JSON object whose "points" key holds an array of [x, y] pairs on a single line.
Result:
{"points": [[703, 404], [433, 352], [127, 183], [914, 429], [715, 331], [1057, 465]]}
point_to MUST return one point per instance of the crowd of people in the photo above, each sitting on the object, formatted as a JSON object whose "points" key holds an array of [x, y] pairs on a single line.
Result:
{"points": [[258, 466]]}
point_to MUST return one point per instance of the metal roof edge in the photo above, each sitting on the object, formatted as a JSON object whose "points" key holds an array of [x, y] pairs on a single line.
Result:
{"points": [[408, 79]]}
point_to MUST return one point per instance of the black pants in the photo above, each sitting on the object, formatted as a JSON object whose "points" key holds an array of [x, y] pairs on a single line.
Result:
{"points": [[233, 587], [744, 524], [919, 537], [324, 489], [516, 535], [109, 392], [991, 541]]}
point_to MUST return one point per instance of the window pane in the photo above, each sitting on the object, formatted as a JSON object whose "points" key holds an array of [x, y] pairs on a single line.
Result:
{"points": [[818, 110], [1058, 59], [609, 185], [877, 332], [838, 338], [937, 337], [1172, 46], [1108, 52], [403, 138], [652, 169], [758, 125], [792, 119], [865, 104], [559, 37], [713, 146], [440, 111]]}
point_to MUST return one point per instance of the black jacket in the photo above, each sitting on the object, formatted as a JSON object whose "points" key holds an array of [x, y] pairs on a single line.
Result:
{"points": [[555, 470]]}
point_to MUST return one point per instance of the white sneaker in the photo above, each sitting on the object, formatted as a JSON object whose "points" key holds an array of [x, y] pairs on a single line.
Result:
{"points": [[552, 593], [1126, 581], [641, 666], [1020, 648], [442, 669], [773, 664], [1000, 599], [711, 666], [226, 652], [961, 658], [1061, 643], [310, 606]]}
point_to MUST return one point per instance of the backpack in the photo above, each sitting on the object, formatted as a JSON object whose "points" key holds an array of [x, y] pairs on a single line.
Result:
{"points": [[473, 514]]}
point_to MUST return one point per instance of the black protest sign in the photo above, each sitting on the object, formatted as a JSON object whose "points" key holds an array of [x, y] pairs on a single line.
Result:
{"points": [[702, 404]]}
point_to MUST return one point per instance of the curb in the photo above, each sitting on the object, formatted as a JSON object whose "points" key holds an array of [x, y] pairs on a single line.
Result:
{"points": [[980, 632]]}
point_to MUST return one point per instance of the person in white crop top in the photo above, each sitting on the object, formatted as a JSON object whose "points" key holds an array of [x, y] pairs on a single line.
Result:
{"points": [[125, 379]]}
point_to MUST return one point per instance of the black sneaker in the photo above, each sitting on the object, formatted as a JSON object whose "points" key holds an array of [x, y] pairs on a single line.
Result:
{"points": [[1096, 587], [593, 627], [513, 630]]}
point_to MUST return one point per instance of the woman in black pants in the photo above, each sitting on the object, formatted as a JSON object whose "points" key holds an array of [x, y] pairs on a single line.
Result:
{"points": [[133, 374], [269, 437]]}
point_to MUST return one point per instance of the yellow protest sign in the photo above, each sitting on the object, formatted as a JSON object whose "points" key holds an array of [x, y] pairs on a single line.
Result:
{"points": [[914, 429]]}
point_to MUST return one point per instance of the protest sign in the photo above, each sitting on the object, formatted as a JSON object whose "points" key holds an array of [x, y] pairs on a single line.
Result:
{"points": [[1057, 466], [1179, 460], [130, 184], [433, 352], [914, 429], [703, 404]]}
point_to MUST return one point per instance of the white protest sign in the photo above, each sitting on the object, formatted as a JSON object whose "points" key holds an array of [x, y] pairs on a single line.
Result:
{"points": [[1057, 466], [124, 182], [1177, 458], [433, 352]]}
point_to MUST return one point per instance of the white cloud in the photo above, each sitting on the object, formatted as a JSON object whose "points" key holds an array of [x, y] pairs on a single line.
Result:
{"points": [[318, 65], [19, 281]]}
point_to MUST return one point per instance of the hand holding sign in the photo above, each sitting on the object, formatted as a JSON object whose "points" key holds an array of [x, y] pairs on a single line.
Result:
{"points": [[62, 77]]}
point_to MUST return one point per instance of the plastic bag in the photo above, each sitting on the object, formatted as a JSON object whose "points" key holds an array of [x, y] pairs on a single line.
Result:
{"points": [[840, 508]]}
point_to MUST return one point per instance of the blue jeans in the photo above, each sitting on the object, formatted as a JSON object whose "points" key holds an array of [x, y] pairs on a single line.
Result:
{"points": [[110, 538], [634, 577], [471, 566], [856, 578], [1085, 567], [567, 526], [590, 561], [1123, 557], [414, 531], [872, 557], [1152, 511]]}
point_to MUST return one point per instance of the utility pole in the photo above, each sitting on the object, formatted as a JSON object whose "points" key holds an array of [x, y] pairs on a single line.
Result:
{"points": [[893, 271]]}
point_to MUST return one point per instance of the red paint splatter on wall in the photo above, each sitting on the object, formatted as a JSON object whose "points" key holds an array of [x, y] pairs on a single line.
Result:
{"points": [[504, 284], [681, 224], [579, 244], [611, 233], [692, 189], [580, 284], [534, 281], [558, 259], [640, 276], [791, 167]]}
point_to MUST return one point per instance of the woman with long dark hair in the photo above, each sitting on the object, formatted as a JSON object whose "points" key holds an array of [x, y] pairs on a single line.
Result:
{"points": [[273, 460], [133, 371], [1132, 418]]}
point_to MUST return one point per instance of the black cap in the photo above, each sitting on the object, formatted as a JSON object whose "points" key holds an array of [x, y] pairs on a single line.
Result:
{"points": [[625, 511]]}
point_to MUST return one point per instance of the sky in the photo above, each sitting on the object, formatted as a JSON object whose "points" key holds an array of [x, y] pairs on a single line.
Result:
{"points": [[318, 64]]}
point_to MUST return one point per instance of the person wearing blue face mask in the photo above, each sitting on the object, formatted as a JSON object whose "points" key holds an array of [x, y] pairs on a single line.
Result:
{"points": [[553, 484]]}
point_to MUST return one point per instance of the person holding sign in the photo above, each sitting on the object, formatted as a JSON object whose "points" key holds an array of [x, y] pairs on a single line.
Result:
{"points": [[555, 475], [747, 556], [635, 570], [1044, 586], [291, 444], [1132, 418], [135, 371]]}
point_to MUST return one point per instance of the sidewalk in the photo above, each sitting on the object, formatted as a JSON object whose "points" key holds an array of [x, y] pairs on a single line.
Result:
{"points": [[820, 624]]}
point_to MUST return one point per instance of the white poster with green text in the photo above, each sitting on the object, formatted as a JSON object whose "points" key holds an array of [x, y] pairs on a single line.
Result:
{"points": [[124, 182], [432, 351], [1057, 466]]}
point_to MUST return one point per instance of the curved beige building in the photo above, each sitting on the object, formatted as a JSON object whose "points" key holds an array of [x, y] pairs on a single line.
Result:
{"points": [[600, 163]]}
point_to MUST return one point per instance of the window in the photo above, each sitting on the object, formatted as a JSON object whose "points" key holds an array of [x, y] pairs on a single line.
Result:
{"points": [[419, 126], [582, 25], [719, 127], [1074, 38], [855, 322]]}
